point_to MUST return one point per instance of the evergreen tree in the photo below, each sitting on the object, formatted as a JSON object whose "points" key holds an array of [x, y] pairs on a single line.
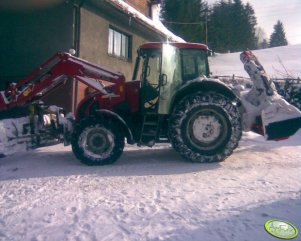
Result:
{"points": [[238, 22], [250, 28], [219, 33], [186, 18], [232, 26], [278, 36]]}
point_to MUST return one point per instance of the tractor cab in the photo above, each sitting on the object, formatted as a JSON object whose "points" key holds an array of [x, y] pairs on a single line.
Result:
{"points": [[163, 68]]}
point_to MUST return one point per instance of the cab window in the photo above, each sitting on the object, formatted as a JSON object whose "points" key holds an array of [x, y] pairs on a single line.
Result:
{"points": [[194, 63]]}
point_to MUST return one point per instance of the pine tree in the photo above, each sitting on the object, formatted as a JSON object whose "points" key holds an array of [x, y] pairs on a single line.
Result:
{"points": [[218, 32], [232, 26], [250, 29], [186, 18], [237, 22], [278, 36]]}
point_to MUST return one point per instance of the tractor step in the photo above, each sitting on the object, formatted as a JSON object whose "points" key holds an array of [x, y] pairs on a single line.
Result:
{"points": [[150, 129]]}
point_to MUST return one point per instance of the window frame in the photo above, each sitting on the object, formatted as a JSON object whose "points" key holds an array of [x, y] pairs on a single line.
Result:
{"points": [[111, 44]]}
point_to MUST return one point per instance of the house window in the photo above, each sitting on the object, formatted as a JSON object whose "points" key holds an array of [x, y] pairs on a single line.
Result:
{"points": [[119, 44]]}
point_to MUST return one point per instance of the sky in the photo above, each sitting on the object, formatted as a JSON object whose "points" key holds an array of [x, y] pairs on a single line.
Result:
{"points": [[269, 11]]}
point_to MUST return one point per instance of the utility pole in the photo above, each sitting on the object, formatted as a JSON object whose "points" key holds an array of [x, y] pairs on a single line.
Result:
{"points": [[206, 28]]}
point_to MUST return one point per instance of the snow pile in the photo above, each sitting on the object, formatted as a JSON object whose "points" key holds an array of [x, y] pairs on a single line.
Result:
{"points": [[278, 62], [156, 24], [10, 130]]}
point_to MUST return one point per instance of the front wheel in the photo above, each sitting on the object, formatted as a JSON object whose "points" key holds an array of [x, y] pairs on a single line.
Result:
{"points": [[96, 142], [205, 127]]}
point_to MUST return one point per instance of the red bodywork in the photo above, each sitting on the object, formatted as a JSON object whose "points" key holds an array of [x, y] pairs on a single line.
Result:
{"points": [[128, 91], [109, 85]]}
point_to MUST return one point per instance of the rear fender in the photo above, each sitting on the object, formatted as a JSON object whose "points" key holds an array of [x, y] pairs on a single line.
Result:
{"points": [[107, 114], [205, 85]]}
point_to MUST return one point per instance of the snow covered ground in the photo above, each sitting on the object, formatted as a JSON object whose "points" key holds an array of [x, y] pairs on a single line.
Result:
{"points": [[152, 193]]}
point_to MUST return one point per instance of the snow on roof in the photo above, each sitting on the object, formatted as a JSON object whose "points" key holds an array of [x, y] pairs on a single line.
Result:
{"points": [[154, 23]]}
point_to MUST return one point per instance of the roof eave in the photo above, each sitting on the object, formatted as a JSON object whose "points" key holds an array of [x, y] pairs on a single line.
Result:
{"points": [[142, 19]]}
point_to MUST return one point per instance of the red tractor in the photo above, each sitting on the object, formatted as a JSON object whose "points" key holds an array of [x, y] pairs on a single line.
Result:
{"points": [[171, 99], [200, 118]]}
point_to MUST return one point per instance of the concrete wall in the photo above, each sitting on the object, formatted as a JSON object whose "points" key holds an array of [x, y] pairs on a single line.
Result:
{"points": [[94, 45]]}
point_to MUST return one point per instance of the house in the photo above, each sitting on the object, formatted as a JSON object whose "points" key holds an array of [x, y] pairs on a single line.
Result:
{"points": [[105, 32]]}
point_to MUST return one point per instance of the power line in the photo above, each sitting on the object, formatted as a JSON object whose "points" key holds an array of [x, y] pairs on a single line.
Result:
{"points": [[195, 23]]}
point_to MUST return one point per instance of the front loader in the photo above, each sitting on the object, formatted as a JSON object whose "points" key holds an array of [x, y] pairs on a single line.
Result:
{"points": [[170, 99], [26, 122]]}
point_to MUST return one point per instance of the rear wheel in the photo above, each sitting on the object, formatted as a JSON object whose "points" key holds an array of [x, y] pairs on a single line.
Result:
{"points": [[97, 143], [205, 127]]}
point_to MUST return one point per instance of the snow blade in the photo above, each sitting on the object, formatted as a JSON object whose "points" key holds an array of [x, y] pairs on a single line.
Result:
{"points": [[282, 129], [279, 118]]}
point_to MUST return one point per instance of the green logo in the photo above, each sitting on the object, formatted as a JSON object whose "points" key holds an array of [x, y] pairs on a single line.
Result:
{"points": [[281, 229]]}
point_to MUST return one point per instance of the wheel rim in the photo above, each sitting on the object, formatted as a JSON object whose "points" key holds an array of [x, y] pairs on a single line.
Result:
{"points": [[207, 129], [97, 142]]}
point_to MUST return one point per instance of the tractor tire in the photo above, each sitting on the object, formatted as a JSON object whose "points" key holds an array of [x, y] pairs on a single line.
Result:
{"points": [[96, 142], [205, 127]]}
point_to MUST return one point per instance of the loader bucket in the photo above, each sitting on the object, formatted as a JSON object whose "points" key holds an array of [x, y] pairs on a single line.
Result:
{"points": [[281, 130]]}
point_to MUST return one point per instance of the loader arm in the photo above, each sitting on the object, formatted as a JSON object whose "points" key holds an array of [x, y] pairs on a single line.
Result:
{"points": [[53, 74]]}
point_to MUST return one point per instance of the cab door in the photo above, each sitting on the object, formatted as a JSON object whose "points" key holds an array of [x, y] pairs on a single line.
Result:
{"points": [[151, 73], [170, 78]]}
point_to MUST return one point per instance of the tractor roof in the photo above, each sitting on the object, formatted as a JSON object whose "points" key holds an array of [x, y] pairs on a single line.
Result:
{"points": [[158, 45]]}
